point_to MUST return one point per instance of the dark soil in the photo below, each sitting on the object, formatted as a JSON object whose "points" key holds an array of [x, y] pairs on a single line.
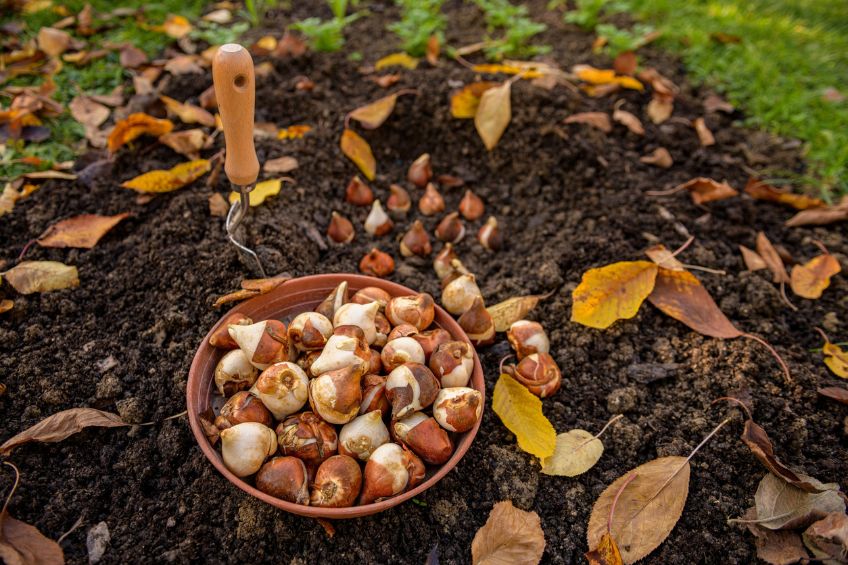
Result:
{"points": [[568, 197]]}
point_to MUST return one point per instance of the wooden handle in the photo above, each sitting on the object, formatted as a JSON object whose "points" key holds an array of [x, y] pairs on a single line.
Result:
{"points": [[235, 90]]}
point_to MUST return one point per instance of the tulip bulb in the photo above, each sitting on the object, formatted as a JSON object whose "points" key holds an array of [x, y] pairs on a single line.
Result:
{"points": [[377, 263], [244, 447], [307, 437], [451, 228], [336, 395], [431, 203], [401, 350], [539, 373], [282, 388], [389, 471], [374, 395], [431, 340], [264, 343], [307, 358], [375, 365], [359, 193], [220, 338], [362, 435], [457, 409], [309, 331], [528, 337], [242, 407], [471, 207], [416, 241], [490, 235], [285, 478], [340, 229], [398, 202], [420, 171], [345, 348], [417, 310], [371, 294], [410, 388], [453, 364], [337, 483], [378, 222], [459, 294], [478, 324], [234, 372], [442, 263], [424, 437], [334, 301], [402, 330], [360, 315]]}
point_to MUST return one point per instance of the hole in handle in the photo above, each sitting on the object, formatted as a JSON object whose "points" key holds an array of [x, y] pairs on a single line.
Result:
{"points": [[240, 81]]}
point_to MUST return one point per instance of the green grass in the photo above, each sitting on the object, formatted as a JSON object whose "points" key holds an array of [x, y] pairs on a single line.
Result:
{"points": [[790, 52]]}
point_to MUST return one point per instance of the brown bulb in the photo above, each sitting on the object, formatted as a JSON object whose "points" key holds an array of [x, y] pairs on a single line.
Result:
{"points": [[371, 294], [334, 301], [471, 206], [399, 201], [358, 192], [539, 373], [431, 340], [450, 229], [432, 202], [478, 324], [374, 395], [221, 338], [307, 437], [417, 310], [420, 172], [528, 337], [284, 478], [442, 264], [337, 483], [490, 235], [377, 263], [243, 407], [340, 229], [416, 241]]}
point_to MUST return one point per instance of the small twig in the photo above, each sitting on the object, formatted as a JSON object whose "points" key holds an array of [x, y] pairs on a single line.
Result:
{"points": [[611, 421], [14, 486], [821, 246], [774, 353], [74, 527], [627, 481], [682, 248], [786, 298], [737, 401], [29, 244], [668, 192], [500, 366], [706, 439], [174, 417]]}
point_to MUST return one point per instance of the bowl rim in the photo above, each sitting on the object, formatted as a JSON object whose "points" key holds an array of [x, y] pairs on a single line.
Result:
{"points": [[355, 282]]}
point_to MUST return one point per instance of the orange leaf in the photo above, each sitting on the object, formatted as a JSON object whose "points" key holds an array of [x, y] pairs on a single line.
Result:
{"points": [[176, 26], [294, 132], [610, 293], [188, 113], [80, 231], [753, 261], [772, 259], [759, 190], [464, 102], [660, 255], [187, 142], [135, 125], [6, 305], [595, 119], [494, 69], [810, 280], [704, 133], [357, 150], [680, 295], [595, 76], [707, 190], [660, 158], [372, 115], [606, 552], [396, 60], [172, 179], [629, 121]]}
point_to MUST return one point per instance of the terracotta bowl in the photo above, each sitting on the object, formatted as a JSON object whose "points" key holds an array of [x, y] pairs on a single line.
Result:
{"points": [[283, 303]]}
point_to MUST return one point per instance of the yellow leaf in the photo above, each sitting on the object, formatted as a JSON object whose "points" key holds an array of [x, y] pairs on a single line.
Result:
{"points": [[357, 150], [810, 280], [505, 313], [260, 192], [396, 60], [606, 553], [6, 305], [836, 359], [294, 132], [372, 115], [188, 113], [521, 412], [613, 292], [493, 114], [82, 231], [508, 70], [9, 196], [576, 452], [176, 26], [266, 42], [464, 102], [172, 179], [28, 277], [605, 76], [135, 125]]}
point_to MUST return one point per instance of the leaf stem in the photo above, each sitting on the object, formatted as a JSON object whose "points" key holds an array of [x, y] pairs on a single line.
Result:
{"points": [[627, 481], [14, 487], [705, 440], [786, 375], [737, 401]]}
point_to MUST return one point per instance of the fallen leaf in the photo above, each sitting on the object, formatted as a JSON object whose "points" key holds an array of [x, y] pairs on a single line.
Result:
{"points": [[713, 103], [80, 231], [493, 114], [759, 190], [781, 506], [705, 190], [772, 259], [188, 113], [628, 120], [659, 157], [53, 41], [812, 278], [820, 216], [679, 294], [170, 180], [218, 206], [521, 412], [131, 57], [184, 65], [28, 277], [176, 26], [836, 393], [494, 69], [187, 142], [260, 192], [253, 287], [625, 63], [396, 60], [294, 132], [775, 547], [828, 538], [50, 174], [705, 136], [647, 509], [386, 81], [61, 425], [613, 292], [284, 164], [235, 297], [464, 102], [509, 536], [660, 109], [23, 544], [835, 359], [433, 50], [606, 552], [505, 313], [576, 452], [605, 76], [598, 120], [88, 112], [753, 261], [357, 150], [8, 198], [134, 126], [6, 305], [660, 255], [372, 116]]}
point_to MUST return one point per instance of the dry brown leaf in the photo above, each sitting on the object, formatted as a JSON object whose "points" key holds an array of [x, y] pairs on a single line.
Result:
{"points": [[53, 41], [284, 164], [828, 538], [49, 174], [218, 206], [88, 112], [659, 157], [357, 150], [775, 547], [714, 103], [647, 509], [705, 136], [772, 259], [372, 116], [759, 190], [509, 536], [23, 544], [598, 120], [819, 216], [188, 113], [493, 114], [135, 125], [625, 63], [812, 278], [660, 255], [680, 295], [6, 305], [170, 180], [9, 196], [28, 277], [781, 506], [613, 292], [187, 142], [61, 425], [513, 309], [253, 287], [837, 393], [464, 102], [132, 57], [176, 26], [705, 190], [184, 65], [630, 121], [660, 109], [80, 231], [386, 81], [753, 261]]}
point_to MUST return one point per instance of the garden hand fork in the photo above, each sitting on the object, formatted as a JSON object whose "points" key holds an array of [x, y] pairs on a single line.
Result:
{"points": [[235, 91]]}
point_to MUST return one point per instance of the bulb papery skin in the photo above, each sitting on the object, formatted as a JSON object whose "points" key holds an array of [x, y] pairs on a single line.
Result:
{"points": [[384, 327], [374, 395], [285, 478], [378, 222], [416, 241], [431, 340], [221, 337], [458, 296], [432, 202], [528, 337], [340, 229], [307, 437], [389, 471], [337, 483], [399, 201], [264, 343], [375, 366], [346, 347], [442, 264], [401, 350], [362, 435], [457, 409], [490, 236], [402, 330], [417, 310], [282, 388], [420, 171], [244, 447], [360, 315], [450, 229], [234, 372], [334, 301], [371, 294], [453, 363], [243, 407], [336, 396], [309, 331], [539, 373], [410, 388], [424, 437]]}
